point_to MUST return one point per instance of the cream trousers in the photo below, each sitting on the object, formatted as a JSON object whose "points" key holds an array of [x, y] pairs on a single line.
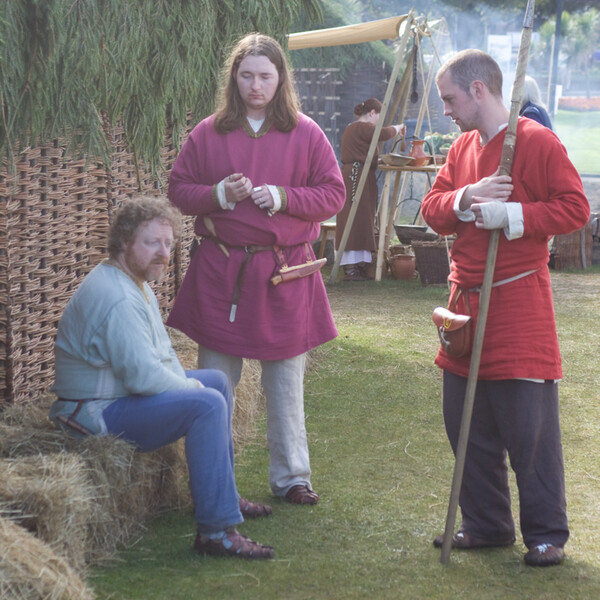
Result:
{"points": [[283, 385]]}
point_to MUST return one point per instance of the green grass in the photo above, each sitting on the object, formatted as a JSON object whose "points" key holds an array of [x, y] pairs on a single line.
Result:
{"points": [[580, 133], [383, 467]]}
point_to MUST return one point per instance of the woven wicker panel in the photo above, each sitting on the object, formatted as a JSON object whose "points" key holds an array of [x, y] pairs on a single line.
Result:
{"points": [[55, 231], [181, 257], [130, 176], [4, 316], [54, 217]]}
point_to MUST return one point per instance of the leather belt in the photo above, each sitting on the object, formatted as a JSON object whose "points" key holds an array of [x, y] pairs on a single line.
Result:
{"points": [[237, 288], [70, 420], [250, 251]]}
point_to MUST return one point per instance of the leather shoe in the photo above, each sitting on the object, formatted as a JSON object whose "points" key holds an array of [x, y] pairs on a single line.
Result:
{"points": [[301, 494], [464, 541], [232, 543], [544, 555], [253, 510]]}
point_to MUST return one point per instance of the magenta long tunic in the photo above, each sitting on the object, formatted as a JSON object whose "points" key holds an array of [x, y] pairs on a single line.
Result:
{"points": [[272, 322]]}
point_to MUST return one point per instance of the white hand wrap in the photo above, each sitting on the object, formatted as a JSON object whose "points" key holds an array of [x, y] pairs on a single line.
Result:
{"points": [[495, 215]]}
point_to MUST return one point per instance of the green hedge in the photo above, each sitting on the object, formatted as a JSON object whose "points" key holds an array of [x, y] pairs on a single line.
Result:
{"points": [[65, 65]]}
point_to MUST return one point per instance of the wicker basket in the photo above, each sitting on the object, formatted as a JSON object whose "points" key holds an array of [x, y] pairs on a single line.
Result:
{"points": [[569, 251], [432, 261]]}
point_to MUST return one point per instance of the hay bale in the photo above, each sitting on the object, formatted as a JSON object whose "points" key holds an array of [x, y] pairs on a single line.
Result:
{"points": [[132, 487], [50, 496], [16, 440], [249, 404], [32, 416], [30, 569], [127, 487]]}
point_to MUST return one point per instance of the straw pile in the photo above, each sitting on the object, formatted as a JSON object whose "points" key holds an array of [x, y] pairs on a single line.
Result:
{"points": [[30, 570], [82, 497], [249, 404]]}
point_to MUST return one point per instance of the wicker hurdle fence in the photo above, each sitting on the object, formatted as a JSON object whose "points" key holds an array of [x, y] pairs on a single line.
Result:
{"points": [[54, 219]]}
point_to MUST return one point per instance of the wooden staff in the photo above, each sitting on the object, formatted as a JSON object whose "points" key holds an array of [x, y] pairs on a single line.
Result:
{"points": [[506, 161]]}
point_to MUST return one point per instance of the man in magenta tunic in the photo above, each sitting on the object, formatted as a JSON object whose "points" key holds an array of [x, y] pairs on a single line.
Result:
{"points": [[260, 177], [516, 401]]}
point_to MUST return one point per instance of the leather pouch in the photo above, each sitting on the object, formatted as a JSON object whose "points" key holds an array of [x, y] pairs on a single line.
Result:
{"points": [[455, 330]]}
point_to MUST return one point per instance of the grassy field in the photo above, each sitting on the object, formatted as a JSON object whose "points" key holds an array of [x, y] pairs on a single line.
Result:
{"points": [[383, 467], [580, 133]]}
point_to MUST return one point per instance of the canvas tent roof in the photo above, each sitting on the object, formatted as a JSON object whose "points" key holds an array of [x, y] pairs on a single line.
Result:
{"points": [[382, 29]]}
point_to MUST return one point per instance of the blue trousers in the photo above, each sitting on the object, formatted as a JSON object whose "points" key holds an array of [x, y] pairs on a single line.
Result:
{"points": [[203, 417]]}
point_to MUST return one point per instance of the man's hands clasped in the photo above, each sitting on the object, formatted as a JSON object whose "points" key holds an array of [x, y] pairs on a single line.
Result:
{"points": [[486, 199], [238, 187]]}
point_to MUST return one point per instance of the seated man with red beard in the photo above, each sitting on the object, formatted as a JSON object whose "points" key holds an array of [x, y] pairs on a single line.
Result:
{"points": [[116, 373]]}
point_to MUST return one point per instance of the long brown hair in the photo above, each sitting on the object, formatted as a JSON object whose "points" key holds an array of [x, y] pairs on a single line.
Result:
{"points": [[282, 111]]}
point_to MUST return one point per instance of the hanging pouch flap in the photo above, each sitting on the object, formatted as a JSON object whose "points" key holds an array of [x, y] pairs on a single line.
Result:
{"points": [[455, 331], [447, 320]]}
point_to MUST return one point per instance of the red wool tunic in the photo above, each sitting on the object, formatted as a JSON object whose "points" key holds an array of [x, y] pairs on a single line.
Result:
{"points": [[272, 322], [520, 336]]}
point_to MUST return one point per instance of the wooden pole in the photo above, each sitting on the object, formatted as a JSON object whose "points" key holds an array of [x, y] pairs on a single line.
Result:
{"points": [[484, 298], [383, 213], [365, 172], [399, 104], [426, 91]]}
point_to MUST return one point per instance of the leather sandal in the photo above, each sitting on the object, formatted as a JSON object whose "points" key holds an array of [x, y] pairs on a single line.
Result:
{"points": [[464, 541], [232, 544], [252, 510], [301, 494], [544, 555]]}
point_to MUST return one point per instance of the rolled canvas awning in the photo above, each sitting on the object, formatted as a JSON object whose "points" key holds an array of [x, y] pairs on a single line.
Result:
{"points": [[382, 29]]}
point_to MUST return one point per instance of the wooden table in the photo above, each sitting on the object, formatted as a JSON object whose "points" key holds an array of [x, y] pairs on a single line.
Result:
{"points": [[385, 222]]}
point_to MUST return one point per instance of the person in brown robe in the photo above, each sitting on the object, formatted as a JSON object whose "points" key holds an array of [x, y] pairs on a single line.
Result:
{"points": [[356, 141]]}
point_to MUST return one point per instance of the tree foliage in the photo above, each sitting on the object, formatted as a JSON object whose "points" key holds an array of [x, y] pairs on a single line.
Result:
{"points": [[65, 65], [580, 37], [543, 8]]}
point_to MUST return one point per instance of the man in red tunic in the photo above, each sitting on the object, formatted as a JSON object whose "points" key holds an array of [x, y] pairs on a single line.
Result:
{"points": [[516, 401], [260, 177]]}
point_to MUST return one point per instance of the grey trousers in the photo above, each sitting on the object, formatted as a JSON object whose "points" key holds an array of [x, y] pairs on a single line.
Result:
{"points": [[521, 419], [283, 384]]}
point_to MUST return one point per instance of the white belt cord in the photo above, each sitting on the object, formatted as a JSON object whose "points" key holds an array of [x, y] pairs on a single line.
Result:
{"points": [[505, 281]]}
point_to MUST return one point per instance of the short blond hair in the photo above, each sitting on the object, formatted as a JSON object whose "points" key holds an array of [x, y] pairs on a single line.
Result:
{"points": [[471, 65]]}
